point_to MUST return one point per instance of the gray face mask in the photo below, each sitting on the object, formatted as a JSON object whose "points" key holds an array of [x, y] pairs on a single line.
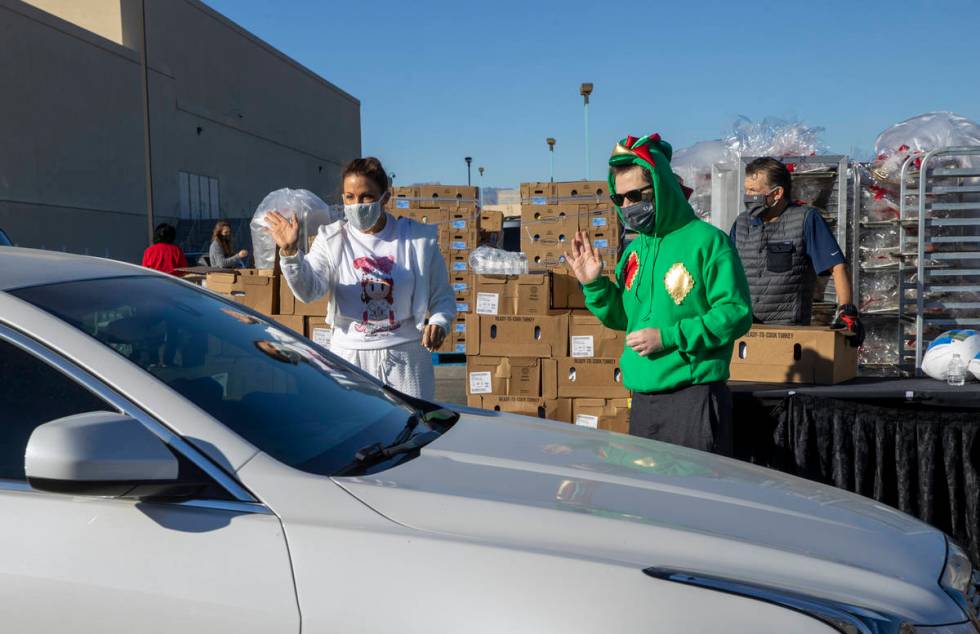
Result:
{"points": [[640, 217], [363, 216], [756, 204]]}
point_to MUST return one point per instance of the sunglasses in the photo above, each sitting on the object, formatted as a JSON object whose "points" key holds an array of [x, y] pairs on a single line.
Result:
{"points": [[633, 195]]}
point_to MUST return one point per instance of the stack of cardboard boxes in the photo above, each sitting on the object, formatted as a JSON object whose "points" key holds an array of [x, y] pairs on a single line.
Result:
{"points": [[531, 348], [462, 227]]}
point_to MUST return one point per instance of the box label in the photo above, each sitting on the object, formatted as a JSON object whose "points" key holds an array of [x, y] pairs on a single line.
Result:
{"points": [[321, 336], [584, 420], [481, 383], [459, 245], [599, 222], [459, 266], [459, 224], [583, 346], [487, 303], [461, 328], [539, 200], [601, 244], [401, 204], [460, 348], [460, 287]]}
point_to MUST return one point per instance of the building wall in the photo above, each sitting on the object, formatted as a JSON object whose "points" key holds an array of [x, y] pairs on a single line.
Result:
{"points": [[223, 105]]}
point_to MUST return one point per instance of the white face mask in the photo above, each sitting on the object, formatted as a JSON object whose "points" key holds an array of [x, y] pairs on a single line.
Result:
{"points": [[363, 216]]}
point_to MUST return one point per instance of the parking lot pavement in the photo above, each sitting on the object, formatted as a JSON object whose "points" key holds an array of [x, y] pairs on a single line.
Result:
{"points": [[450, 383]]}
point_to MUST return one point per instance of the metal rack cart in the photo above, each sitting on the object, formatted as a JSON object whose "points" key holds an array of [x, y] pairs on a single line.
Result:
{"points": [[939, 244]]}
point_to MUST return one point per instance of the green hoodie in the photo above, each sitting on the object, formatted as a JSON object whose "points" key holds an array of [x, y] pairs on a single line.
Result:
{"points": [[684, 278]]}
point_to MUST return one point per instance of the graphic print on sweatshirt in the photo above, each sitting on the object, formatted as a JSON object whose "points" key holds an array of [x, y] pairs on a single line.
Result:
{"points": [[630, 270], [377, 295]]}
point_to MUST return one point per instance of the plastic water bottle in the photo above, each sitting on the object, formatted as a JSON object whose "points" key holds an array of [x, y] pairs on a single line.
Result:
{"points": [[955, 372]]}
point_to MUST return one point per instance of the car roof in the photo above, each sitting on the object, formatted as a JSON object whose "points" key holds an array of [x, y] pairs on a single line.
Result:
{"points": [[32, 267]]}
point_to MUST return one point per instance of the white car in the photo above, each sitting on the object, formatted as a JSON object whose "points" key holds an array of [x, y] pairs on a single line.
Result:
{"points": [[172, 462]]}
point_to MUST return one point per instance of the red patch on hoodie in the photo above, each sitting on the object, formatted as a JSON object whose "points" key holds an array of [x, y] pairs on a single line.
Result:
{"points": [[632, 267]]}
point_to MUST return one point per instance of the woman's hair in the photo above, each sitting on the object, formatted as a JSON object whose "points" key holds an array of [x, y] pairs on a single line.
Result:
{"points": [[164, 233], [370, 168], [223, 241]]}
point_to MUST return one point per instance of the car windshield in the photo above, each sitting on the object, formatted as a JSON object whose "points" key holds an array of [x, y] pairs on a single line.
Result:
{"points": [[287, 396]]}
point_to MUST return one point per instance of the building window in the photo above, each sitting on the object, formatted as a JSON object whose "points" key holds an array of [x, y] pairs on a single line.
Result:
{"points": [[200, 197]]}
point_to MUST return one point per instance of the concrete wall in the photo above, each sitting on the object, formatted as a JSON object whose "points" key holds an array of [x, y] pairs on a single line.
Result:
{"points": [[223, 104]]}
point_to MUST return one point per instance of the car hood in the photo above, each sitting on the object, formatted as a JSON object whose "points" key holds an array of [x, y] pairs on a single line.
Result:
{"points": [[529, 484]]}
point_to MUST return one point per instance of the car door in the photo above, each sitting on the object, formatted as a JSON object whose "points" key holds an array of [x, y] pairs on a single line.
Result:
{"points": [[215, 564]]}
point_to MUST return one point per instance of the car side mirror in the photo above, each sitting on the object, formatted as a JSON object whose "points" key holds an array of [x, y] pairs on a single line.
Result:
{"points": [[101, 454]]}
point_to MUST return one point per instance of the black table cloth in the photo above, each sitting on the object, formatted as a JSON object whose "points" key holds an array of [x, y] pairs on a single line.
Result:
{"points": [[911, 444]]}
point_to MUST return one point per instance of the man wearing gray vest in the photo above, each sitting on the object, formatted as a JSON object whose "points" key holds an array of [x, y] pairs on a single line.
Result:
{"points": [[783, 248]]}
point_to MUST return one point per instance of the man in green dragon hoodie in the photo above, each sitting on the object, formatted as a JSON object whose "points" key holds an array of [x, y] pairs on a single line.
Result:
{"points": [[681, 296]]}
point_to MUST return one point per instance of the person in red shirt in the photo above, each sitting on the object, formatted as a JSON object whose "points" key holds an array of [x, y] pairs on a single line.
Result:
{"points": [[164, 255]]}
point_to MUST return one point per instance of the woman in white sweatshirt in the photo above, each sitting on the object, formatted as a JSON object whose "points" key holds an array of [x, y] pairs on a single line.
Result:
{"points": [[390, 300]]}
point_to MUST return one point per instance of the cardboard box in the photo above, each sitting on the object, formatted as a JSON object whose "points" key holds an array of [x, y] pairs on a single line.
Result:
{"points": [[404, 198], [511, 376], [462, 283], [566, 292], [293, 322], [317, 330], [256, 288], [547, 226], [437, 216], [793, 354], [464, 302], [431, 196], [550, 409], [224, 282], [539, 193], [544, 336], [582, 189], [545, 256], [512, 294], [588, 338], [590, 378], [458, 262], [491, 221], [599, 219], [289, 305], [599, 413]]}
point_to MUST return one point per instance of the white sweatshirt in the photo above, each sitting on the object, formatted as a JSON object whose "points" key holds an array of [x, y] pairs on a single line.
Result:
{"points": [[312, 276]]}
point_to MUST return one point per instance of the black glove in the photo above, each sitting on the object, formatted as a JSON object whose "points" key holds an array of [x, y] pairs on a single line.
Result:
{"points": [[847, 320]]}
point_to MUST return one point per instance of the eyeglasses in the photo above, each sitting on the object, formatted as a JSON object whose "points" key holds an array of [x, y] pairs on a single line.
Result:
{"points": [[633, 195]]}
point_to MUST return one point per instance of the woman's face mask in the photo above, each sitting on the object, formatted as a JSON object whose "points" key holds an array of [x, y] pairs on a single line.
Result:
{"points": [[363, 216]]}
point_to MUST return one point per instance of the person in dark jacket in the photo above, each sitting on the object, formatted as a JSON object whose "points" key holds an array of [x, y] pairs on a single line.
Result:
{"points": [[784, 247], [164, 255], [221, 252]]}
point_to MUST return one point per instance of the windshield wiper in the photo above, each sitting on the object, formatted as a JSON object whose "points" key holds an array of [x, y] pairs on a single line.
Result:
{"points": [[373, 454]]}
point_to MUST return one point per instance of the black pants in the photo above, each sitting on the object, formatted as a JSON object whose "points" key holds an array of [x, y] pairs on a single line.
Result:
{"points": [[697, 416]]}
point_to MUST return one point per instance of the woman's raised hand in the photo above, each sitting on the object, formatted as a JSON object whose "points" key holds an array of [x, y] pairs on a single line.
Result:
{"points": [[584, 260], [285, 231]]}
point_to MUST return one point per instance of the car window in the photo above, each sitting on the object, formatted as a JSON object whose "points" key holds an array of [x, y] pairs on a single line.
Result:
{"points": [[290, 398], [4, 240], [33, 393]]}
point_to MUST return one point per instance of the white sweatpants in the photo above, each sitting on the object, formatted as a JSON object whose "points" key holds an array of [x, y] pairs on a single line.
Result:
{"points": [[406, 367]]}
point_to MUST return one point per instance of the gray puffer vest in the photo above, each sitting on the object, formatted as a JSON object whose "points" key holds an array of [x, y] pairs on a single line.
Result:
{"points": [[781, 276]]}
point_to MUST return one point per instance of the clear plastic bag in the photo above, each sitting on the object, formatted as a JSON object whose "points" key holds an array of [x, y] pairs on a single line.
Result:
{"points": [[774, 137], [309, 208], [921, 134], [693, 164], [881, 344], [879, 293], [490, 261]]}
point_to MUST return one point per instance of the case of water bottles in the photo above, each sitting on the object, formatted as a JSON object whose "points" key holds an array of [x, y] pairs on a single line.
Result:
{"points": [[490, 261]]}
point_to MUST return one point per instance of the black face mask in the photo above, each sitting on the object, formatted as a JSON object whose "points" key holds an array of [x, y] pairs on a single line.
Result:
{"points": [[640, 217]]}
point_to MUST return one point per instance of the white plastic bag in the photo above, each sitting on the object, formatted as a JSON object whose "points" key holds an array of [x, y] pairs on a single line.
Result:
{"points": [[921, 134], [774, 137], [309, 208]]}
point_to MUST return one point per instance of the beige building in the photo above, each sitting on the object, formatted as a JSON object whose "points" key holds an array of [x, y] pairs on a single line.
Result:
{"points": [[231, 118]]}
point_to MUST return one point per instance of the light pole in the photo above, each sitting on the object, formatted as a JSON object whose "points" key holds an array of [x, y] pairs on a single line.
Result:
{"points": [[480, 169], [468, 159], [551, 149], [585, 90], [392, 180]]}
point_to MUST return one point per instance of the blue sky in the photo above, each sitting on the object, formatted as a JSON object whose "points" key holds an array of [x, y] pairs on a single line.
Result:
{"points": [[442, 80]]}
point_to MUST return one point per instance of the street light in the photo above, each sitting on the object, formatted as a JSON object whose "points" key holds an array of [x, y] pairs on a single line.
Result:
{"points": [[468, 159], [585, 90], [392, 180], [551, 148], [480, 169]]}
